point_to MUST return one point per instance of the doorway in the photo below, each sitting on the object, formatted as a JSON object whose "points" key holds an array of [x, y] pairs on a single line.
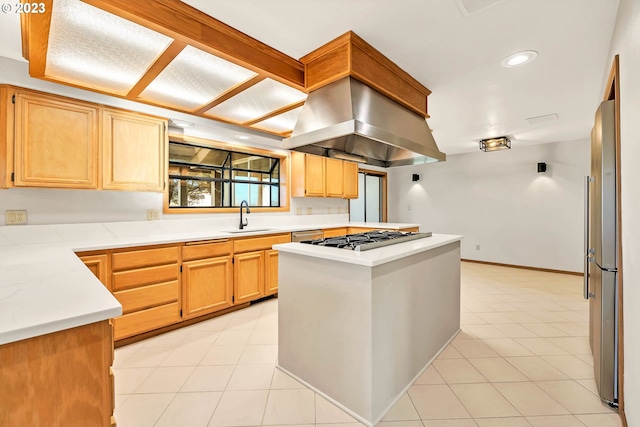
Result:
{"points": [[371, 204]]}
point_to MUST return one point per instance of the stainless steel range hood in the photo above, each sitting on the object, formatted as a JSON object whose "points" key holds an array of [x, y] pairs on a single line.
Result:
{"points": [[348, 120]]}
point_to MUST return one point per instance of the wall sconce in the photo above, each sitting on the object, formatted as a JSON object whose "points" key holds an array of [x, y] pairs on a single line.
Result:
{"points": [[542, 167], [493, 144], [415, 177]]}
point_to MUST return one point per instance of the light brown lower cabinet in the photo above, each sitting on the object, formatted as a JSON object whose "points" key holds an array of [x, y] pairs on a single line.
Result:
{"points": [[61, 379], [248, 276], [98, 265], [145, 281], [271, 272], [333, 232], [255, 269], [162, 285], [207, 286]]}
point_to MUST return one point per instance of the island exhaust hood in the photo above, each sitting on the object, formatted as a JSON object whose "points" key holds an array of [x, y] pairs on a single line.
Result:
{"points": [[349, 120]]}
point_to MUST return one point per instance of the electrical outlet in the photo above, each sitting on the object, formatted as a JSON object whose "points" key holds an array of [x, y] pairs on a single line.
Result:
{"points": [[329, 210], [298, 211], [409, 207], [153, 214], [477, 247], [15, 217], [309, 211]]}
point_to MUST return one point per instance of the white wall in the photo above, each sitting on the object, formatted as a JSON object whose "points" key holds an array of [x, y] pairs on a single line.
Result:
{"points": [[626, 43], [52, 206], [500, 202]]}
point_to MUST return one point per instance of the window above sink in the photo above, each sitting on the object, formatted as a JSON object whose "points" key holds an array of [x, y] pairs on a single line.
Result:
{"points": [[206, 177]]}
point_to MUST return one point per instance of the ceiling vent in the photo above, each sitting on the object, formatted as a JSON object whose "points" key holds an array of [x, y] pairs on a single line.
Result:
{"points": [[471, 7], [541, 119]]}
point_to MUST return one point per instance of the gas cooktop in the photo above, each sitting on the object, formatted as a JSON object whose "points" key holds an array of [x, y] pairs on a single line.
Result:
{"points": [[369, 240]]}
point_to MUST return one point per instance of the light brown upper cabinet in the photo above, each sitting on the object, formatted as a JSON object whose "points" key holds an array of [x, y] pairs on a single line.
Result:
{"points": [[334, 184], [350, 174], [133, 151], [316, 176], [59, 142], [307, 175], [56, 142]]}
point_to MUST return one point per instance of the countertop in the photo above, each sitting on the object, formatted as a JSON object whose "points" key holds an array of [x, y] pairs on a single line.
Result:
{"points": [[370, 258], [45, 288]]}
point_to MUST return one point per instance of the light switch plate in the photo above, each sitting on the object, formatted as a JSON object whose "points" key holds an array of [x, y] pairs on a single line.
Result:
{"points": [[153, 214], [15, 217]]}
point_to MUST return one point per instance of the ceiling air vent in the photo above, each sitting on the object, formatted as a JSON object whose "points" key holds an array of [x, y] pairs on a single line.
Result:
{"points": [[542, 119]]}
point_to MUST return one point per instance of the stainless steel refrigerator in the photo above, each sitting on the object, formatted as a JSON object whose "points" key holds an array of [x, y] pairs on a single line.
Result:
{"points": [[601, 253]]}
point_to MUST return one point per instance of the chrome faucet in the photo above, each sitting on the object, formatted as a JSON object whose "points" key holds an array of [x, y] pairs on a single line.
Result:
{"points": [[244, 223]]}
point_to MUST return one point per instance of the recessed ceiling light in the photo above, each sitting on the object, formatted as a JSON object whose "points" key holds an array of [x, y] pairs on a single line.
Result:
{"points": [[519, 58], [242, 137], [181, 124]]}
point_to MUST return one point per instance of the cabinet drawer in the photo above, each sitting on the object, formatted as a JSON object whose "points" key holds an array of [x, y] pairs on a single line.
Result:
{"points": [[147, 296], [333, 232], [144, 258], [146, 320], [144, 276], [259, 243], [197, 250]]}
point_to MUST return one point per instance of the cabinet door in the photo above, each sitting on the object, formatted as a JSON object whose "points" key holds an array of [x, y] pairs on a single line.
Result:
{"points": [[98, 266], [314, 173], [271, 272], [134, 151], [206, 286], [248, 276], [56, 143], [350, 180], [334, 177]]}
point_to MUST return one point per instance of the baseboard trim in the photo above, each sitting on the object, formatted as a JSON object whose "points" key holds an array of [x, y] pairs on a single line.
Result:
{"points": [[524, 267]]}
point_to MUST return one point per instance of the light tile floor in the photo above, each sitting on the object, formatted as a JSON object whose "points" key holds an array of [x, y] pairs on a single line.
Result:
{"points": [[521, 359]]}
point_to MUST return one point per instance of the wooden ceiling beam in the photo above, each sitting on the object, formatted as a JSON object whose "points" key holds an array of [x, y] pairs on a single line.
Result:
{"points": [[229, 94], [156, 68], [274, 113], [187, 24]]}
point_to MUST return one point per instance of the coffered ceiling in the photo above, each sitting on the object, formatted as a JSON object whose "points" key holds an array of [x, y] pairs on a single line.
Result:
{"points": [[454, 47], [114, 47]]}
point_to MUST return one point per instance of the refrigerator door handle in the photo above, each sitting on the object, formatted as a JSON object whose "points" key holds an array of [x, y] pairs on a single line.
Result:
{"points": [[587, 251]]}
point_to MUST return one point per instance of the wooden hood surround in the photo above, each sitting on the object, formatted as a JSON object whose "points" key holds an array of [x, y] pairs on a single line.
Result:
{"points": [[347, 55]]}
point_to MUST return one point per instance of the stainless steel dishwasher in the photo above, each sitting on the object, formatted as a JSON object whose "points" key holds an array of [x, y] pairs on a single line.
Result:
{"points": [[299, 236]]}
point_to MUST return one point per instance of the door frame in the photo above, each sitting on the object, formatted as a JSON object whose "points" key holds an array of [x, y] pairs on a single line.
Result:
{"points": [[383, 196]]}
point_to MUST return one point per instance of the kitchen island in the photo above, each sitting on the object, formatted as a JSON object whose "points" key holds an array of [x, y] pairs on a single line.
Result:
{"points": [[360, 327]]}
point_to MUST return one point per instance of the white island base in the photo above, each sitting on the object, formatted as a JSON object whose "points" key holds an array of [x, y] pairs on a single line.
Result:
{"points": [[359, 328]]}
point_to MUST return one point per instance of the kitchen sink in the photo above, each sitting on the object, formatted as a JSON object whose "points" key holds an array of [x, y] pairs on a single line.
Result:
{"points": [[247, 230]]}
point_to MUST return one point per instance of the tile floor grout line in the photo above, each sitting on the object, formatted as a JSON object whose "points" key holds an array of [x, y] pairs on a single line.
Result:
{"points": [[515, 292]]}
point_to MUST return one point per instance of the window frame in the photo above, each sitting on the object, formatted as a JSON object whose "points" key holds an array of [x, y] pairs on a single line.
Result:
{"points": [[284, 175]]}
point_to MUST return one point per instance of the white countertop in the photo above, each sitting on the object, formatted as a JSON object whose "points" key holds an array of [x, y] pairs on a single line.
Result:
{"points": [[45, 288], [370, 258]]}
